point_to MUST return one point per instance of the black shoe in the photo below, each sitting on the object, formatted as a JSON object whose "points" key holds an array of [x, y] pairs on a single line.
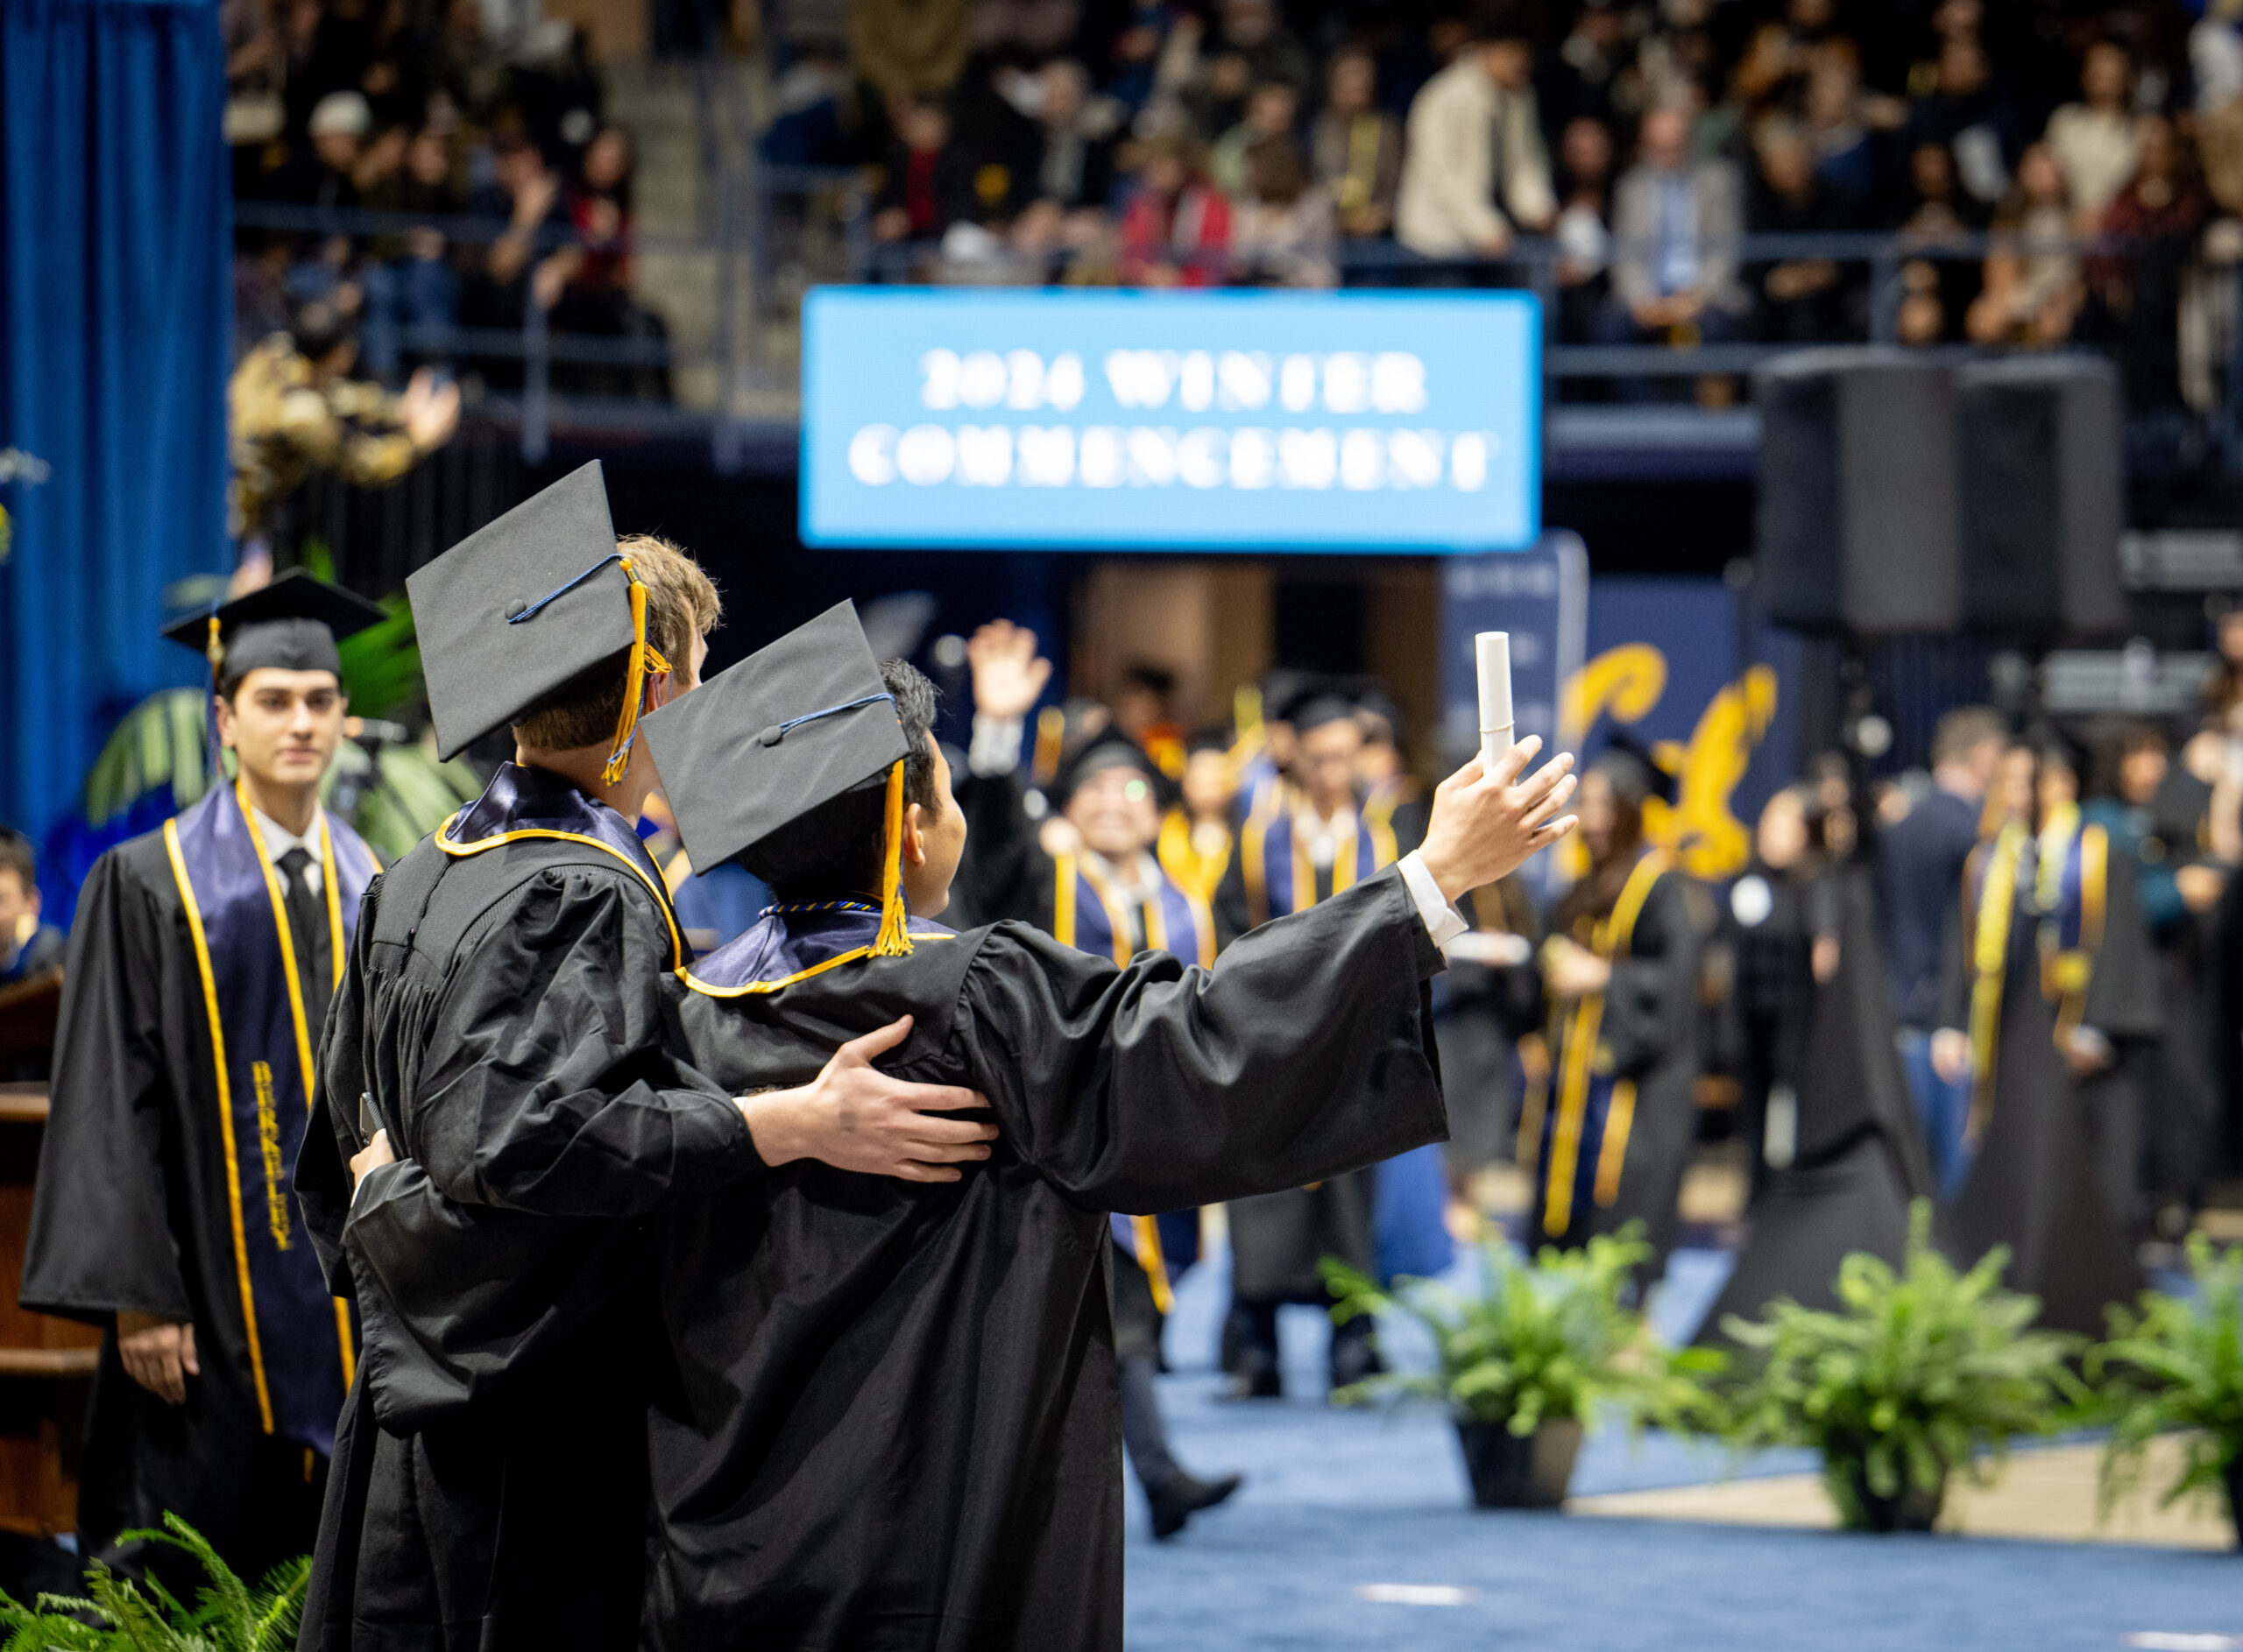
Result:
{"points": [[1183, 1497], [1257, 1378], [1354, 1358]]}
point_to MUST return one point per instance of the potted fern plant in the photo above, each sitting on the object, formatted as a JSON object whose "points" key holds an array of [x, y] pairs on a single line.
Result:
{"points": [[2175, 1362], [121, 1615], [1528, 1360], [1921, 1374]]}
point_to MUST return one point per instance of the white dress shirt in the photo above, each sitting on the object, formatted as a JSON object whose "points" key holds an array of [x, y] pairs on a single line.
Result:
{"points": [[279, 840]]}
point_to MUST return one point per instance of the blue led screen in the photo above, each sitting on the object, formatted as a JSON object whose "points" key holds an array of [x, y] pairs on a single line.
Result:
{"points": [[1228, 420]]}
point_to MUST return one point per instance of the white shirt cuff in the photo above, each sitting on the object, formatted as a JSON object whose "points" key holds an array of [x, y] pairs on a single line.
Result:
{"points": [[1443, 922], [997, 745], [363, 1180]]}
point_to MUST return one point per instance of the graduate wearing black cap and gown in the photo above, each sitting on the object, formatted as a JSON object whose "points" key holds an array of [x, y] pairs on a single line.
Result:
{"points": [[1309, 841], [2064, 886], [504, 1024], [1607, 1138], [199, 975], [894, 1422], [503, 1021]]}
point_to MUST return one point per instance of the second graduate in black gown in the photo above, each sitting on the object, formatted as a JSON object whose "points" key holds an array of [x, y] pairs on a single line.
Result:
{"points": [[896, 1417]]}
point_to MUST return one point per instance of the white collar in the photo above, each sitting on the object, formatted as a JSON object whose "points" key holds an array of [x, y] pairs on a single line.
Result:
{"points": [[279, 840], [1138, 876]]}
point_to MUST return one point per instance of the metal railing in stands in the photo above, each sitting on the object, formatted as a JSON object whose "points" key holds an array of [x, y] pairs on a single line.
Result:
{"points": [[745, 226]]}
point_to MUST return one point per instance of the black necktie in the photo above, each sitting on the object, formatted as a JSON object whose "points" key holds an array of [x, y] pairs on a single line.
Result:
{"points": [[308, 929]]}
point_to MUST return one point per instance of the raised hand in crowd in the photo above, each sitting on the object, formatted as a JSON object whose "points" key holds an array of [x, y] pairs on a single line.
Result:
{"points": [[1010, 676]]}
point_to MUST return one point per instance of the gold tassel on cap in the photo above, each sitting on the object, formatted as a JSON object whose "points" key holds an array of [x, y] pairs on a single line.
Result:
{"points": [[644, 657], [214, 650], [893, 940]]}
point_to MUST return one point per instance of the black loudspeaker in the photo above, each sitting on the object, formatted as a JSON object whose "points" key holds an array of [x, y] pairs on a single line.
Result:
{"points": [[2043, 474], [1858, 526]]}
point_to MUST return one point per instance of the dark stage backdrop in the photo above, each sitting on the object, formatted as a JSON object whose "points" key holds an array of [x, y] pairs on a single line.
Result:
{"points": [[115, 312]]}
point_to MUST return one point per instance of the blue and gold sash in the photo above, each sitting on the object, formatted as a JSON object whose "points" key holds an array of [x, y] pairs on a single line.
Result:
{"points": [[1586, 1145], [1280, 878], [256, 996], [793, 941], [1090, 914], [523, 803]]}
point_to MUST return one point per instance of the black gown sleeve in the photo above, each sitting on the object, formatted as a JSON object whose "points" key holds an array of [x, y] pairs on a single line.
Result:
{"points": [[1650, 1005], [548, 1086], [2122, 999], [1003, 863], [323, 1182], [1307, 1051], [101, 1238]]}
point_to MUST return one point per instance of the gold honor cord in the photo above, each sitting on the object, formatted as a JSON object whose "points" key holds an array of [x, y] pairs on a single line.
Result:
{"points": [[1608, 940], [335, 933], [484, 845], [1989, 959], [1619, 1120], [1147, 1231], [225, 1110]]}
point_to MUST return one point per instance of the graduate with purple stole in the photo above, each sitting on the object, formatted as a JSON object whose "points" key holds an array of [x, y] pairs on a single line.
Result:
{"points": [[199, 976]]}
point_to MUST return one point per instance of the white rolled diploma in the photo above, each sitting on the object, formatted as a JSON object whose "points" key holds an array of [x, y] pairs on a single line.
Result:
{"points": [[1493, 651]]}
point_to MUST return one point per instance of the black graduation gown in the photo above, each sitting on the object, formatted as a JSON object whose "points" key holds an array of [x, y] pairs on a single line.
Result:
{"points": [[2035, 1184], [1771, 1005], [135, 1212], [506, 1011], [896, 1420], [1600, 1164], [2122, 1000], [1859, 1160]]}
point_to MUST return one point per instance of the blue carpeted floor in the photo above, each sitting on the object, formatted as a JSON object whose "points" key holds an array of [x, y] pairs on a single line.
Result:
{"points": [[1335, 1502]]}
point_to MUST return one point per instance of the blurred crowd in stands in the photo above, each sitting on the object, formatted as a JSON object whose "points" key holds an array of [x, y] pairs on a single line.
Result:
{"points": [[1248, 141], [479, 127], [1613, 150]]}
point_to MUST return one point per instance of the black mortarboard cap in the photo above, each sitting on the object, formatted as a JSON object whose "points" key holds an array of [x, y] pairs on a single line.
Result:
{"points": [[1109, 749], [518, 608], [1317, 703], [775, 758], [1377, 703], [1628, 764], [291, 625]]}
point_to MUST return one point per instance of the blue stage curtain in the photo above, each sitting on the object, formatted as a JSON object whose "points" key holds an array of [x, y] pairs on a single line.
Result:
{"points": [[115, 295]]}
